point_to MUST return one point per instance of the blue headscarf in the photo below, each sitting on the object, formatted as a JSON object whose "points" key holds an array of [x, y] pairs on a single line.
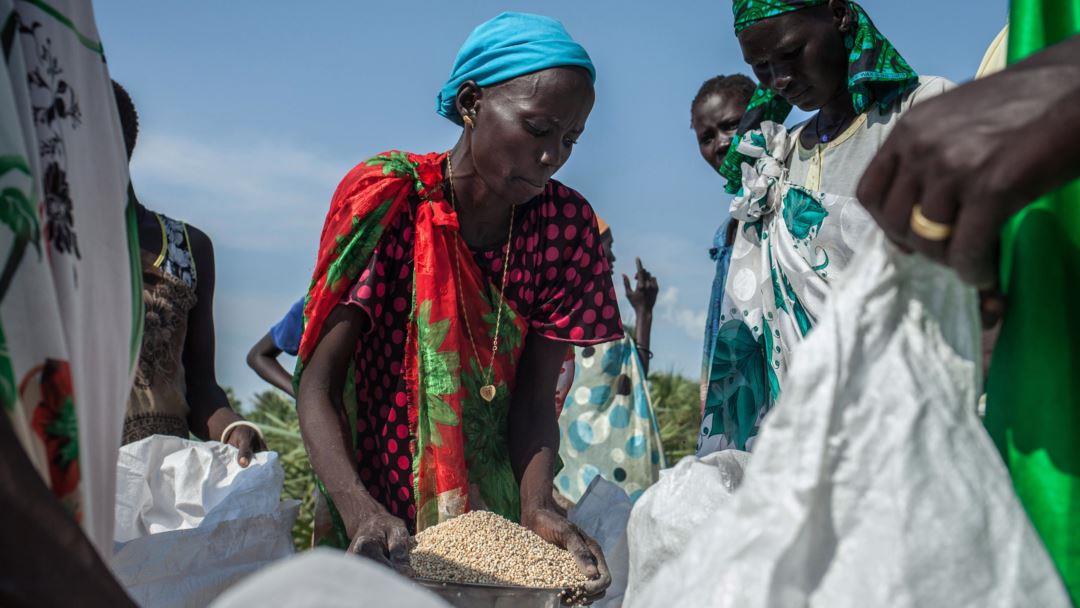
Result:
{"points": [[508, 46]]}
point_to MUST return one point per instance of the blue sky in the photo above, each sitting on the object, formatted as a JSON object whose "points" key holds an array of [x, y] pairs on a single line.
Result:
{"points": [[251, 111]]}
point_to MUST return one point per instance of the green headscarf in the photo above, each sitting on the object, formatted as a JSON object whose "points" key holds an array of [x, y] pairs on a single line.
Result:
{"points": [[877, 74]]}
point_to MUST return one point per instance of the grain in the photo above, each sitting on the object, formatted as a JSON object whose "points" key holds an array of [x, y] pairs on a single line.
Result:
{"points": [[482, 547]]}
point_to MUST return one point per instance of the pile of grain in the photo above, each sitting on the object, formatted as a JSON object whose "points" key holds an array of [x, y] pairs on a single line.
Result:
{"points": [[482, 547]]}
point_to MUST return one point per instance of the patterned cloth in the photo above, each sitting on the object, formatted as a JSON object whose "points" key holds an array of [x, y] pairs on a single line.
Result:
{"points": [[70, 293], [428, 447], [791, 243], [158, 403], [607, 426], [721, 255], [1033, 390], [877, 75], [508, 46]]}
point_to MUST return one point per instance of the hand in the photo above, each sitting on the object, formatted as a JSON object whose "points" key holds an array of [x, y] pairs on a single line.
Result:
{"points": [[247, 442], [643, 298], [557, 530], [382, 538], [975, 156]]}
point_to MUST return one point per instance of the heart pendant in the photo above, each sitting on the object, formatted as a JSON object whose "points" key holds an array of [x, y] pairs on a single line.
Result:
{"points": [[487, 392]]}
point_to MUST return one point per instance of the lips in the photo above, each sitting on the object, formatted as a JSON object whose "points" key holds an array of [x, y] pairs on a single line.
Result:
{"points": [[796, 98], [531, 182]]}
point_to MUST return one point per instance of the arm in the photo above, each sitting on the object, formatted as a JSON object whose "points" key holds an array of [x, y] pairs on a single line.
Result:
{"points": [[324, 425], [533, 435], [976, 155], [46, 560], [262, 358], [210, 411], [643, 299]]}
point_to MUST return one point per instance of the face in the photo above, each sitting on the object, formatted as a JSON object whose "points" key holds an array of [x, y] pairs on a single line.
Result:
{"points": [[715, 120], [526, 128], [800, 55]]}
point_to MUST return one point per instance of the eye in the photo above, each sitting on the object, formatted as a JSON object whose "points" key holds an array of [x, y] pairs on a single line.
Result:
{"points": [[534, 130], [569, 142], [792, 54]]}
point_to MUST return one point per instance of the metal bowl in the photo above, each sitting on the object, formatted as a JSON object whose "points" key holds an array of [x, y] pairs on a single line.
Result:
{"points": [[473, 595]]}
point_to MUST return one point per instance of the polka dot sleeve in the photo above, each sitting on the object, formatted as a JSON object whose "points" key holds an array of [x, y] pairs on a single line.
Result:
{"points": [[576, 300]]}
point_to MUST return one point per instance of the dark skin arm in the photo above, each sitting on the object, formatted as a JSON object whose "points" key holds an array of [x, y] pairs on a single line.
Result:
{"points": [[262, 358], [45, 559], [643, 299], [375, 533], [210, 411], [533, 437], [976, 155]]}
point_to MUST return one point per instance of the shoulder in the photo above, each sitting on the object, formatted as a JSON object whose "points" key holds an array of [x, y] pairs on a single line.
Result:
{"points": [[567, 204], [201, 245], [929, 86]]}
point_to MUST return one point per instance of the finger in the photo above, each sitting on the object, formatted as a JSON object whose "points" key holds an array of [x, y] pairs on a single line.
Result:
{"points": [[626, 283], [398, 544], [595, 588], [975, 246], [640, 268], [575, 544], [371, 548], [938, 205], [895, 211], [243, 445], [877, 179]]}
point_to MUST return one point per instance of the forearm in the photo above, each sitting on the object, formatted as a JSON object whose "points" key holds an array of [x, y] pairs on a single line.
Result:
{"points": [[533, 435], [328, 439], [271, 371], [45, 559], [209, 412], [643, 334]]}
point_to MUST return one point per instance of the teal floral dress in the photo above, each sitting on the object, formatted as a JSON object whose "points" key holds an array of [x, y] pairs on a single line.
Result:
{"points": [[791, 243]]}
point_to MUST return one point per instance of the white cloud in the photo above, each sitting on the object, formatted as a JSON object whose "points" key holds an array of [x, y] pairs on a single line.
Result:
{"points": [[256, 195], [690, 320]]}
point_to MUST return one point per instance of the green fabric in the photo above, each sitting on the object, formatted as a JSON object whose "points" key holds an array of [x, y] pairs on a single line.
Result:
{"points": [[1033, 393], [877, 75], [749, 12]]}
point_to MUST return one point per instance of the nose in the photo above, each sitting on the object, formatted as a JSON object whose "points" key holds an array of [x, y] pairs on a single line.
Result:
{"points": [[551, 156], [780, 82]]}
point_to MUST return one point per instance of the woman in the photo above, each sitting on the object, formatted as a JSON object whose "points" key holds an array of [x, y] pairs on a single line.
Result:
{"points": [[608, 426], [176, 390], [447, 289], [800, 224], [715, 115]]}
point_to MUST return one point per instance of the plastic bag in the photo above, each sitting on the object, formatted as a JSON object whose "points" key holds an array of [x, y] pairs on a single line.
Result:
{"points": [[190, 521], [602, 513], [676, 508], [872, 482]]}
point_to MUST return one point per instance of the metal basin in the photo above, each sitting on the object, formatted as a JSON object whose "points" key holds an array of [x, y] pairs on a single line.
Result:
{"points": [[471, 595]]}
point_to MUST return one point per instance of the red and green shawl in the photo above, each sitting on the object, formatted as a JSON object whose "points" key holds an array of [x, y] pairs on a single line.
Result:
{"points": [[457, 439]]}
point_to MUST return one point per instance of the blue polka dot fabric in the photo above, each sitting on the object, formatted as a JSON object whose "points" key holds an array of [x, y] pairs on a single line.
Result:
{"points": [[607, 424]]}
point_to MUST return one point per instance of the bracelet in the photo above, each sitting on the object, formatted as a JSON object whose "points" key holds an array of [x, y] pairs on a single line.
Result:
{"points": [[233, 425], [648, 353]]}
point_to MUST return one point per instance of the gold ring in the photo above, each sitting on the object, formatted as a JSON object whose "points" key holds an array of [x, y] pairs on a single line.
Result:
{"points": [[928, 228]]}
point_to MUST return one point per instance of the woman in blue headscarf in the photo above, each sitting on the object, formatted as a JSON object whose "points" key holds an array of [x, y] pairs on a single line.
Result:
{"points": [[799, 222], [447, 289]]}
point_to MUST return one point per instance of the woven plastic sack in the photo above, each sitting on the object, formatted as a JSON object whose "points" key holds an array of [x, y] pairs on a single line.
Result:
{"points": [[873, 482]]}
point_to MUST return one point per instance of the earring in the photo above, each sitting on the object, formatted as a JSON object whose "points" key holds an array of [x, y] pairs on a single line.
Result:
{"points": [[468, 121]]}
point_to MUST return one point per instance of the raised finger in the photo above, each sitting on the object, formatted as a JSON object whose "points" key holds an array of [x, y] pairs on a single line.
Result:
{"points": [[938, 204], [640, 268]]}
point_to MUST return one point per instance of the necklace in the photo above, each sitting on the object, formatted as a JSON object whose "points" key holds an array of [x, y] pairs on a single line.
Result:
{"points": [[826, 137], [487, 391]]}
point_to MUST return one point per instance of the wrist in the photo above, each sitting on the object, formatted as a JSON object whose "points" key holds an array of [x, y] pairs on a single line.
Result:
{"points": [[355, 506]]}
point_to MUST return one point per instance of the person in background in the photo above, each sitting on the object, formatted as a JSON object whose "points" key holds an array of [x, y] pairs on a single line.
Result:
{"points": [[452, 284], [176, 390], [715, 114], [800, 225], [607, 425], [283, 337], [985, 179]]}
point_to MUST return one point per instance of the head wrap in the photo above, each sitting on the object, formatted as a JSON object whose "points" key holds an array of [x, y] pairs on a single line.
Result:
{"points": [[508, 46], [877, 74]]}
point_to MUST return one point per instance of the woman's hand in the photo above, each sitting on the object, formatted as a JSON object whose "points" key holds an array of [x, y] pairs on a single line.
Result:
{"points": [[382, 538], [557, 530], [643, 297], [247, 442]]}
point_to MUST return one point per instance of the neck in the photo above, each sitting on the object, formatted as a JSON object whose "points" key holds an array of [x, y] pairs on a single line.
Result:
{"points": [[484, 216], [839, 111]]}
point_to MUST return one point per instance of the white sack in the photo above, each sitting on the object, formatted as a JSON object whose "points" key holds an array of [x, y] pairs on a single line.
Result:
{"points": [[190, 522], [678, 507], [872, 482], [323, 578], [602, 513]]}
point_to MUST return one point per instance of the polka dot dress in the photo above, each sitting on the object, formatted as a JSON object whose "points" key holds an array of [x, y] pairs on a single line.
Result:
{"points": [[559, 281]]}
